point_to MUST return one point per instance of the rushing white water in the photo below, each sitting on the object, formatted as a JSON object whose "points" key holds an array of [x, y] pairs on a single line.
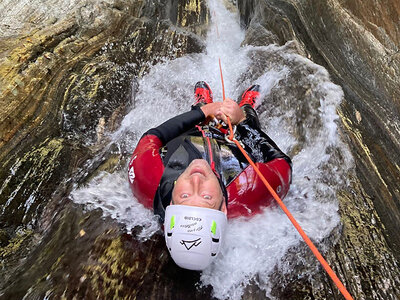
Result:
{"points": [[253, 247]]}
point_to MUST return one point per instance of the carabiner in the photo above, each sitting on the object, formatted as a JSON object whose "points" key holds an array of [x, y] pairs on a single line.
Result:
{"points": [[228, 134]]}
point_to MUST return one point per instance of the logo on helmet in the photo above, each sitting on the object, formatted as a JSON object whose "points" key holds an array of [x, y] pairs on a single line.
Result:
{"points": [[192, 218], [131, 174], [189, 244]]}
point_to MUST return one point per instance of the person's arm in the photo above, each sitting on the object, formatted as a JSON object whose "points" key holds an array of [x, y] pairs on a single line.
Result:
{"points": [[258, 143], [183, 122], [146, 166], [145, 169], [157, 137], [177, 125]]}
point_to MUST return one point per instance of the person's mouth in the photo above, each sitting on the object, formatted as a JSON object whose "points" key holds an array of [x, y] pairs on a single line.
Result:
{"points": [[197, 170]]}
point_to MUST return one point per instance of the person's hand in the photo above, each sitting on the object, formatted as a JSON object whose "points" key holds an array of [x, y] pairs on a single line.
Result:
{"points": [[211, 109], [232, 110]]}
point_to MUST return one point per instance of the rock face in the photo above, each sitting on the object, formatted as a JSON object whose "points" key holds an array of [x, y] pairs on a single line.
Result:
{"points": [[66, 73], [358, 42], [66, 81]]}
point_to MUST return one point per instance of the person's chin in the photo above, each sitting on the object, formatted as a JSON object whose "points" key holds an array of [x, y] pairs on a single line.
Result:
{"points": [[200, 166], [200, 163]]}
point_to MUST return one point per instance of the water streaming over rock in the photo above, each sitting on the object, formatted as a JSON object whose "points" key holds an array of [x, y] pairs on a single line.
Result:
{"points": [[305, 129]]}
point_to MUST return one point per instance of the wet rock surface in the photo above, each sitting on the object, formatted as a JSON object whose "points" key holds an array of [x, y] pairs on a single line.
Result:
{"points": [[66, 73], [358, 42], [67, 76]]}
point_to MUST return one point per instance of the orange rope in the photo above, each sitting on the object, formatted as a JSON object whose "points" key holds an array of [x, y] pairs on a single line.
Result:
{"points": [[222, 80], [309, 243]]}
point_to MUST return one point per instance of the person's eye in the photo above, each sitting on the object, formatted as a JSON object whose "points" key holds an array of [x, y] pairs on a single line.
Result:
{"points": [[207, 197], [184, 195]]}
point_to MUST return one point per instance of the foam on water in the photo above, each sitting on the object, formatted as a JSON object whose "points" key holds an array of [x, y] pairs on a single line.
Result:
{"points": [[253, 247], [112, 194]]}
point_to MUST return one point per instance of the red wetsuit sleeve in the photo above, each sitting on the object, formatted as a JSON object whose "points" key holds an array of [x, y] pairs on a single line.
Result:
{"points": [[146, 169], [247, 193]]}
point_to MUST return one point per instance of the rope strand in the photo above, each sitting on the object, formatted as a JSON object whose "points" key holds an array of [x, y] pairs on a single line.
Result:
{"points": [[222, 79]]}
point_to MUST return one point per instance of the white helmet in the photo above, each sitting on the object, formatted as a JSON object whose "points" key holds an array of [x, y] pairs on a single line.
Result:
{"points": [[193, 235]]}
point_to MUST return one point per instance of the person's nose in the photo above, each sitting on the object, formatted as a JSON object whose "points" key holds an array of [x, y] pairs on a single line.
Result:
{"points": [[196, 181]]}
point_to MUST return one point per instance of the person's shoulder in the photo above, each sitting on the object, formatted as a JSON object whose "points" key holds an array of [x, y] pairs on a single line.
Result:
{"points": [[148, 142]]}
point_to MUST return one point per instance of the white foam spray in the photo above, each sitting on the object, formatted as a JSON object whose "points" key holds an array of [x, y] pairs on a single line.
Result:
{"points": [[253, 247]]}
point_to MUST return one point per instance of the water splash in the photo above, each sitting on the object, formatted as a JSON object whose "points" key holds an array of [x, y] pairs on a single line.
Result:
{"points": [[112, 194], [297, 109]]}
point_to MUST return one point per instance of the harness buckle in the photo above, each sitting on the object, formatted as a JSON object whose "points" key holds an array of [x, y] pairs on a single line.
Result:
{"points": [[208, 134]]}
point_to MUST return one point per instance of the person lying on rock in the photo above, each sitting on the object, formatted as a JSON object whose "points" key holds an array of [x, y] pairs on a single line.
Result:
{"points": [[194, 177]]}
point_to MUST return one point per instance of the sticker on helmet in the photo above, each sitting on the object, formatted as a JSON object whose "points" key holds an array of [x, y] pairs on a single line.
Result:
{"points": [[189, 244], [214, 227], [131, 175]]}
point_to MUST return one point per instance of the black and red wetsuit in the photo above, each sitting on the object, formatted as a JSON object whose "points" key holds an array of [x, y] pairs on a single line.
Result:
{"points": [[164, 152]]}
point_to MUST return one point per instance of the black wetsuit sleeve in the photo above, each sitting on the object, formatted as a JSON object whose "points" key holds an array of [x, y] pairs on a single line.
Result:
{"points": [[177, 125], [257, 143]]}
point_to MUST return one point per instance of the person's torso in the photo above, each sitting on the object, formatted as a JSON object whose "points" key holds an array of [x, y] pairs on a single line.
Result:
{"points": [[244, 191]]}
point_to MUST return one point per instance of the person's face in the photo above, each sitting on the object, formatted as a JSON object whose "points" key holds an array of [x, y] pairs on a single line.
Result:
{"points": [[198, 186]]}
